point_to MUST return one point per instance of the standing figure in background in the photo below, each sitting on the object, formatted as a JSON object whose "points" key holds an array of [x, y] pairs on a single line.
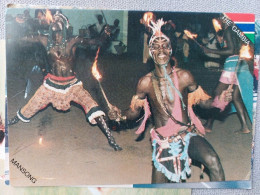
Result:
{"points": [[115, 30], [97, 29], [243, 91], [101, 32], [182, 48], [211, 42], [169, 30]]}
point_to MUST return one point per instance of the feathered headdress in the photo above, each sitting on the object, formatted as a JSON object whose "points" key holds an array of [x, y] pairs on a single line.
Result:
{"points": [[156, 28], [60, 18], [60, 22]]}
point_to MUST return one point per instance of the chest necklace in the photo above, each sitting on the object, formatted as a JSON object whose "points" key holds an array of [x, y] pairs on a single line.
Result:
{"points": [[163, 87]]}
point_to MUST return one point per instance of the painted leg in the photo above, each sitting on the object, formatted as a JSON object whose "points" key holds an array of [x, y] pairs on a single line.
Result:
{"points": [[201, 151], [158, 177], [105, 129], [40, 100]]}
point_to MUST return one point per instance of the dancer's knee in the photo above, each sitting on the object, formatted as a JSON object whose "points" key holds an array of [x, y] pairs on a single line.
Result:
{"points": [[212, 161]]}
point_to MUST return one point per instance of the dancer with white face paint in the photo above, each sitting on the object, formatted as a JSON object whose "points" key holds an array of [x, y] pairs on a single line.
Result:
{"points": [[177, 135]]}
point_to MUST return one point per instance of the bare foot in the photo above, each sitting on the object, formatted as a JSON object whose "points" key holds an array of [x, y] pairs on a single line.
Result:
{"points": [[243, 131]]}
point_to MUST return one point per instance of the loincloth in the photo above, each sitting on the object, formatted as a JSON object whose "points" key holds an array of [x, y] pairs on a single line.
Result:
{"points": [[170, 155], [60, 94], [228, 78]]}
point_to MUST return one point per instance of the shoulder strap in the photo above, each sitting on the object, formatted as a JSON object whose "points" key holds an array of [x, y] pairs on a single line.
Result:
{"points": [[159, 99]]}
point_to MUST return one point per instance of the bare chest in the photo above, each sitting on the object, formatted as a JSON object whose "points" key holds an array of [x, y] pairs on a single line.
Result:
{"points": [[58, 52]]}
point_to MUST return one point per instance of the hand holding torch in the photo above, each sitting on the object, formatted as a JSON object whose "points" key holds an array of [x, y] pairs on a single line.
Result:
{"points": [[192, 36], [244, 53], [98, 76]]}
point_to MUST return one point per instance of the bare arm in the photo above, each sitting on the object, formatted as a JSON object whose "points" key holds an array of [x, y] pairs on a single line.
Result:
{"points": [[36, 38], [82, 41], [198, 96], [205, 101], [74, 42], [229, 50]]}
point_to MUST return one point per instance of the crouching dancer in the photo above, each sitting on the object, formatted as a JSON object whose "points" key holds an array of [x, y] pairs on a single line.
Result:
{"points": [[60, 85], [177, 135]]}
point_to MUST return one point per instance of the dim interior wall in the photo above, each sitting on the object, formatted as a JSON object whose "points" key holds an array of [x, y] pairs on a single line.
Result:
{"points": [[79, 18], [123, 33]]}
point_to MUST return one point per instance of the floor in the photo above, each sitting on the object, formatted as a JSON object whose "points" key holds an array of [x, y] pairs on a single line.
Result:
{"points": [[75, 153]]}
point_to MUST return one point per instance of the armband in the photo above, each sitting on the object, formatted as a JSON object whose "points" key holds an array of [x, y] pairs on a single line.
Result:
{"points": [[136, 102], [197, 95]]}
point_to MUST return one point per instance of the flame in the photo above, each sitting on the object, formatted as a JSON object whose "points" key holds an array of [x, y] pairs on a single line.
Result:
{"points": [[94, 71], [148, 17], [245, 52], [48, 16], [216, 25], [40, 140], [190, 35]]}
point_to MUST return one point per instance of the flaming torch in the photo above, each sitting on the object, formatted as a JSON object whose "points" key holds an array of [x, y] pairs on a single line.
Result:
{"points": [[40, 140], [192, 36], [40, 136], [98, 76], [244, 54], [48, 16], [216, 25], [147, 18]]}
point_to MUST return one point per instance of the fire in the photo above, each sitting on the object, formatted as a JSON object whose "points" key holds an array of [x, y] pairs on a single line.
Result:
{"points": [[48, 16], [40, 140], [148, 17], [216, 25], [245, 52], [95, 72], [190, 35]]}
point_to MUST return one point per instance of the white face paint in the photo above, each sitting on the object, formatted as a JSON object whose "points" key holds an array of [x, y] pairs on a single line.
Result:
{"points": [[160, 50]]}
